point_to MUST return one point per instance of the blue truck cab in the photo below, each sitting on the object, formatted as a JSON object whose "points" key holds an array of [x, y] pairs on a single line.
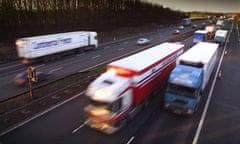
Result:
{"points": [[184, 89]]}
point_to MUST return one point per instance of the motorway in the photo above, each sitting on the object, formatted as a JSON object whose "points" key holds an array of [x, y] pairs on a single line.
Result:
{"points": [[222, 123], [65, 124], [78, 62], [217, 120]]}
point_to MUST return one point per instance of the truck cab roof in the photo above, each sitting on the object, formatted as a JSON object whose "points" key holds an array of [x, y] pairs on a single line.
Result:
{"points": [[187, 76], [221, 33], [107, 88], [201, 31]]}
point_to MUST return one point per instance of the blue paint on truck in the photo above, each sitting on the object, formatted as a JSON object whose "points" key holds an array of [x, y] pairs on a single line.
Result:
{"points": [[200, 36], [186, 21]]}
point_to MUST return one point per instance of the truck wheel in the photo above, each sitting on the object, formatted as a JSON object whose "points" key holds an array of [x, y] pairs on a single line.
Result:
{"points": [[46, 59], [57, 57], [93, 47], [80, 50], [52, 58]]}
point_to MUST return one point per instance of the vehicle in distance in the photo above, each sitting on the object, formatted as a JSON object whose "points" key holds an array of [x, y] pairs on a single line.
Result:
{"points": [[194, 26], [200, 36], [186, 21], [53, 46], [211, 29], [189, 78], [181, 27], [21, 79], [126, 87], [220, 36], [175, 32], [143, 41]]}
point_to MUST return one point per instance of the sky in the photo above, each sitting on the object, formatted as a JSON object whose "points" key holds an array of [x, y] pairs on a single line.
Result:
{"points": [[222, 6]]}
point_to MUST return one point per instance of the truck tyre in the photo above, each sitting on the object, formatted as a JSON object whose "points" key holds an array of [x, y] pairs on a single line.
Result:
{"points": [[58, 57], [52, 58], [46, 59], [80, 50]]}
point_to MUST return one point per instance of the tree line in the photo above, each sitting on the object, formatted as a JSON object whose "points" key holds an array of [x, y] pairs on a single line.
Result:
{"points": [[19, 18]]}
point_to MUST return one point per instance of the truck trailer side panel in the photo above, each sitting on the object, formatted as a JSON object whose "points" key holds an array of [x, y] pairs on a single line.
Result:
{"points": [[154, 81], [39, 46]]}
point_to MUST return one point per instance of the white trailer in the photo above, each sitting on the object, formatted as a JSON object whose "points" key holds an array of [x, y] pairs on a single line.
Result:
{"points": [[52, 46]]}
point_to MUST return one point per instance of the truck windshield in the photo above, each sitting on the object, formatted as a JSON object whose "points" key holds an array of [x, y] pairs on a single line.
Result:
{"points": [[218, 37], [182, 91]]}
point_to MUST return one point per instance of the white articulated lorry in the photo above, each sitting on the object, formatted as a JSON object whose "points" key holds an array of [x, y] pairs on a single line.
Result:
{"points": [[119, 94], [53, 46]]}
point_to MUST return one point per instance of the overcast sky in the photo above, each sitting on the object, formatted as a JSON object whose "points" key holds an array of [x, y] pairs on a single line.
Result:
{"points": [[201, 5]]}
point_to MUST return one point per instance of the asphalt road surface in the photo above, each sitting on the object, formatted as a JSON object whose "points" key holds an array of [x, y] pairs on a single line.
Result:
{"points": [[222, 123]]}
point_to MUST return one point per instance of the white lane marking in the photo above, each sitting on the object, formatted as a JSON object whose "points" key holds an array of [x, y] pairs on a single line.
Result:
{"points": [[56, 69], [200, 125], [40, 114], [82, 125], [120, 49], [10, 66], [131, 139], [96, 56]]}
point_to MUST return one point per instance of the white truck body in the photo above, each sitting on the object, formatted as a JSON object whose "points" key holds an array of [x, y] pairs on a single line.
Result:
{"points": [[220, 36], [210, 28], [44, 45], [220, 23], [119, 93], [203, 53]]}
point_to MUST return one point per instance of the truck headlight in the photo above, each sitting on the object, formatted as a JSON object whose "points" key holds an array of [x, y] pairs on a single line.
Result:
{"points": [[190, 111], [166, 105], [20, 43]]}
